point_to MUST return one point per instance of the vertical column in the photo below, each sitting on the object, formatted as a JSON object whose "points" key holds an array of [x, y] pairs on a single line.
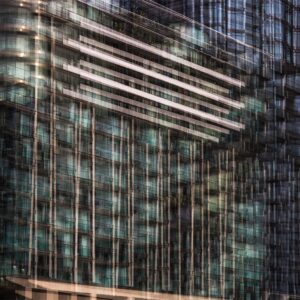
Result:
{"points": [[161, 219], [35, 151], [77, 189], [147, 218], [54, 185], [129, 208], [157, 213], [52, 181], [179, 221], [225, 221], [113, 211], [192, 179], [220, 207], [294, 238], [203, 248], [132, 199], [33, 209], [93, 196], [233, 222], [169, 211], [118, 228], [208, 229]]}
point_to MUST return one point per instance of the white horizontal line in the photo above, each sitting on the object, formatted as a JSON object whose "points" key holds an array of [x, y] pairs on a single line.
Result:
{"points": [[139, 115], [85, 23], [125, 88], [152, 108], [153, 86], [153, 64], [103, 56], [191, 22]]}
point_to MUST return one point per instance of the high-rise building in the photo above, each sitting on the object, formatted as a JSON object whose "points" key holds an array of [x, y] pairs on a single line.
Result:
{"points": [[273, 27], [142, 152]]}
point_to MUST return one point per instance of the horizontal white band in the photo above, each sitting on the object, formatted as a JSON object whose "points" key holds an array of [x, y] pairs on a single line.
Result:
{"points": [[96, 27], [180, 107], [139, 115], [155, 66], [153, 108], [112, 59], [153, 86]]}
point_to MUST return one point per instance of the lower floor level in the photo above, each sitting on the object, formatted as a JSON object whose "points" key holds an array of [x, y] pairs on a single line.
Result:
{"points": [[16, 288]]}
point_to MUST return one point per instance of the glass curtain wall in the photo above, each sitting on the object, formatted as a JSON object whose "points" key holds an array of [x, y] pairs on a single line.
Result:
{"points": [[273, 27], [131, 148]]}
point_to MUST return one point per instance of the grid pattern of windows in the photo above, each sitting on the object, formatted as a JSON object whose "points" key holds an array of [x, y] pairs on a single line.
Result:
{"points": [[133, 148], [273, 27]]}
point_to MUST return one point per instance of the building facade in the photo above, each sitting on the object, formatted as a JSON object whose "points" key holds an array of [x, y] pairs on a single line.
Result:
{"points": [[273, 27], [137, 154]]}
